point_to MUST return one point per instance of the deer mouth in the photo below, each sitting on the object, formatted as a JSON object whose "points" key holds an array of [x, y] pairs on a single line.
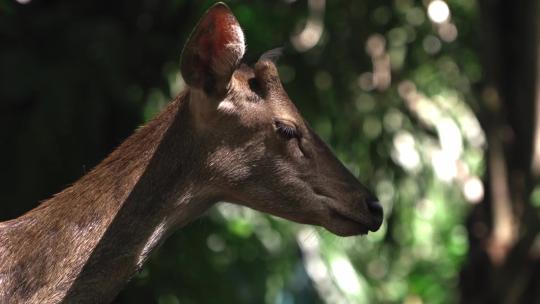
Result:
{"points": [[347, 225]]}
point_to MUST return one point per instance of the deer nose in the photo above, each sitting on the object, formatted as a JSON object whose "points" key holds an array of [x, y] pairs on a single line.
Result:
{"points": [[376, 211]]}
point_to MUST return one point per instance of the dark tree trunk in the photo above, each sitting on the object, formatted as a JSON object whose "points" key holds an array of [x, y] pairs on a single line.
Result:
{"points": [[503, 261]]}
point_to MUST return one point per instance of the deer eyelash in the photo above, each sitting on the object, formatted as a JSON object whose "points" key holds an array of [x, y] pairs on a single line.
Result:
{"points": [[286, 130]]}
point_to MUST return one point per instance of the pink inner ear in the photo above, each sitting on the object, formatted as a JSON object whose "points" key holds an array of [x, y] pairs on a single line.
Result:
{"points": [[214, 49], [218, 32]]}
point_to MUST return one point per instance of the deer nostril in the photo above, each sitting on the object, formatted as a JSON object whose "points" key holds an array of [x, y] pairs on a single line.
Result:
{"points": [[376, 211]]}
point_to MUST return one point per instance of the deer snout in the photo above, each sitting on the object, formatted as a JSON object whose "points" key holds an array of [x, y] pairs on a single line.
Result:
{"points": [[376, 212]]}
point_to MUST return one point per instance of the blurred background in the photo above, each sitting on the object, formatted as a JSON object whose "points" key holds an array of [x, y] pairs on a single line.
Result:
{"points": [[432, 103]]}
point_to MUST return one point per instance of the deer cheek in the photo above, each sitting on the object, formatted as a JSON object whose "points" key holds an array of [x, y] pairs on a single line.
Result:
{"points": [[294, 149]]}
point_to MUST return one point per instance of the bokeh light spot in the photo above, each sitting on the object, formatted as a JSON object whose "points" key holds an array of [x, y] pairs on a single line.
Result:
{"points": [[473, 189], [438, 11]]}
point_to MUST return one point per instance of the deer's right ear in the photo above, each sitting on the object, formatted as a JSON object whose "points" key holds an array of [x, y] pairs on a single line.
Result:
{"points": [[213, 50]]}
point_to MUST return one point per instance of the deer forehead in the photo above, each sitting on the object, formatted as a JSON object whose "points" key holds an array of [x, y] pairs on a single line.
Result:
{"points": [[240, 77], [276, 104]]}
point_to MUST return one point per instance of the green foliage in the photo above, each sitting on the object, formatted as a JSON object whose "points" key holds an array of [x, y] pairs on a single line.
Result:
{"points": [[412, 137]]}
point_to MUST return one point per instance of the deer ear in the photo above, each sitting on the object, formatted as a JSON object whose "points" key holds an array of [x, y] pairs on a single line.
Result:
{"points": [[213, 50]]}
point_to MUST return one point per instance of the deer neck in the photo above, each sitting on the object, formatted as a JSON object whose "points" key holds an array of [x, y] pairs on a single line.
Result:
{"points": [[92, 237]]}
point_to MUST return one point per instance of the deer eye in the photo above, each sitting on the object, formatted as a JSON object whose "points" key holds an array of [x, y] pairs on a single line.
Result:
{"points": [[286, 130]]}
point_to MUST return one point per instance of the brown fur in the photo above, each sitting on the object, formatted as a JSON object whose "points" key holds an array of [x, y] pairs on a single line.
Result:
{"points": [[49, 246], [208, 145]]}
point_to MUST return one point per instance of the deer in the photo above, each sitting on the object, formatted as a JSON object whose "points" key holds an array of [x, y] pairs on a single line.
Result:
{"points": [[232, 135]]}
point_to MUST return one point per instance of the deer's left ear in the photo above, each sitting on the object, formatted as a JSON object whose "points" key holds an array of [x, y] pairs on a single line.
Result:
{"points": [[213, 50]]}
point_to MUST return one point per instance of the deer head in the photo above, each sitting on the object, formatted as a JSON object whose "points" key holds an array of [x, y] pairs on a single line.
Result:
{"points": [[259, 151]]}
